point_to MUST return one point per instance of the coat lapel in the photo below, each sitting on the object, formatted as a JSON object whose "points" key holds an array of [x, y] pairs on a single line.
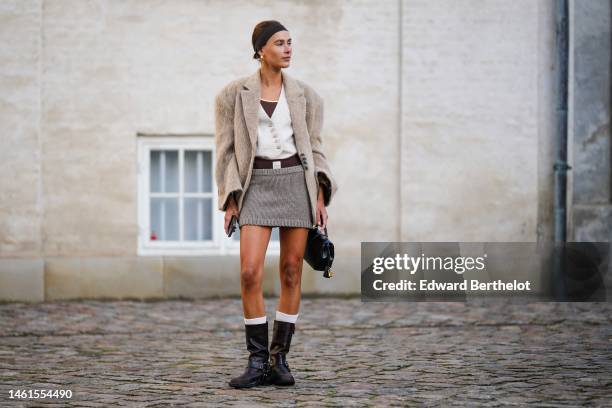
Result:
{"points": [[296, 101], [250, 105], [294, 94]]}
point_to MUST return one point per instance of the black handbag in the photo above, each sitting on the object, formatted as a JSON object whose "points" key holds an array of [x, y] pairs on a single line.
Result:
{"points": [[319, 251]]}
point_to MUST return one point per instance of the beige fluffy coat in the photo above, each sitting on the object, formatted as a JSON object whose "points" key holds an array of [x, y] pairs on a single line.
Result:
{"points": [[236, 123]]}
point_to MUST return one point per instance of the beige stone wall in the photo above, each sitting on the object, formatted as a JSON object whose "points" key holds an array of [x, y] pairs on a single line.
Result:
{"points": [[433, 127], [470, 121], [20, 129]]}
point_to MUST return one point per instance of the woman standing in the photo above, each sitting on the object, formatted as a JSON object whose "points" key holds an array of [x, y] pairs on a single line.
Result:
{"points": [[271, 172]]}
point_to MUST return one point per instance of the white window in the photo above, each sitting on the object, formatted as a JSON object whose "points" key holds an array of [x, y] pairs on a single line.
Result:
{"points": [[177, 199]]}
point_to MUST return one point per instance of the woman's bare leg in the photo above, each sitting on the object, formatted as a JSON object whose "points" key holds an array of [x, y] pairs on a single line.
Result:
{"points": [[254, 241], [292, 247]]}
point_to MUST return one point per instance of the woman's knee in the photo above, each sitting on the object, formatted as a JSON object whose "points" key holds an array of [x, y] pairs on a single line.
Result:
{"points": [[291, 273], [251, 276]]}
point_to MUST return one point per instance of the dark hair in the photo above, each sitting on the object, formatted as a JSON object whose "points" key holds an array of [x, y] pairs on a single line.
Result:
{"points": [[262, 33]]}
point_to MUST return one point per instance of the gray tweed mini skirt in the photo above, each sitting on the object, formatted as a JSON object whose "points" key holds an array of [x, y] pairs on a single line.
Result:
{"points": [[277, 198]]}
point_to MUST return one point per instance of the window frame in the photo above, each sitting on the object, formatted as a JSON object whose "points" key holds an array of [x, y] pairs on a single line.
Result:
{"points": [[220, 244]]}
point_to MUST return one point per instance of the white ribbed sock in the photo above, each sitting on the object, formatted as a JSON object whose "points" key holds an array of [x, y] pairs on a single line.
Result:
{"points": [[286, 317], [255, 320]]}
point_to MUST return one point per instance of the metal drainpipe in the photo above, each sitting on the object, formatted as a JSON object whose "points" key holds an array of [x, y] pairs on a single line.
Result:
{"points": [[560, 166]]}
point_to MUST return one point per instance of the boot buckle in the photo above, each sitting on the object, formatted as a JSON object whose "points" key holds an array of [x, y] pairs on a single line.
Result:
{"points": [[257, 364]]}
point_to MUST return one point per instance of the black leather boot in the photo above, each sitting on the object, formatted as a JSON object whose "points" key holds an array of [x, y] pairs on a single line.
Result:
{"points": [[257, 367], [280, 374]]}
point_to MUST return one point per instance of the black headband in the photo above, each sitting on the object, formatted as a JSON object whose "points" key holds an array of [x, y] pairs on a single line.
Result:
{"points": [[265, 35]]}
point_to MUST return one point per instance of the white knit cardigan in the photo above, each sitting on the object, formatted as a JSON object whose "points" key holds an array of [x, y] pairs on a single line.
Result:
{"points": [[275, 135]]}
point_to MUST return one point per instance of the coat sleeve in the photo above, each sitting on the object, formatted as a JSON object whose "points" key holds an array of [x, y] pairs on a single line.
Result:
{"points": [[227, 176], [323, 171]]}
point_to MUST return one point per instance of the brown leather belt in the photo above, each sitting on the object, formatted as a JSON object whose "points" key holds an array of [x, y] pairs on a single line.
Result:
{"points": [[261, 163]]}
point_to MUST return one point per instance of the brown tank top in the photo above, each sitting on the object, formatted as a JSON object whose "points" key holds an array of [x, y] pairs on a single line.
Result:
{"points": [[268, 107]]}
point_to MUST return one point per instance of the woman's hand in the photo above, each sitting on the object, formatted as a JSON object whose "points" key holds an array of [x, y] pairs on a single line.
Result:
{"points": [[321, 211], [231, 209]]}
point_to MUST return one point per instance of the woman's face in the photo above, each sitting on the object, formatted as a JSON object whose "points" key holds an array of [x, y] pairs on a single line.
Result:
{"points": [[277, 51]]}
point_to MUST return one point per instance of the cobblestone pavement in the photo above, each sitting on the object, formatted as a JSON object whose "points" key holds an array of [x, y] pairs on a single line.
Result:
{"points": [[344, 352]]}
